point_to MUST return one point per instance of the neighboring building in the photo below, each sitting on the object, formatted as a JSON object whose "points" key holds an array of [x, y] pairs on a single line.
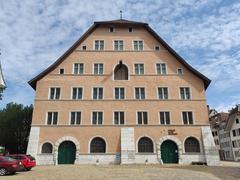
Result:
{"points": [[221, 137], [233, 126], [121, 94]]}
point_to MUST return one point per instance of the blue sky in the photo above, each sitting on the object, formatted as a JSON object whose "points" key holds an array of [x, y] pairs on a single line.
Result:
{"points": [[34, 33]]}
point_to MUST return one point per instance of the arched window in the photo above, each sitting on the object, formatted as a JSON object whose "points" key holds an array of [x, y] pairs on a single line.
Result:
{"points": [[47, 148], [145, 145], [191, 145], [97, 145], [121, 72]]}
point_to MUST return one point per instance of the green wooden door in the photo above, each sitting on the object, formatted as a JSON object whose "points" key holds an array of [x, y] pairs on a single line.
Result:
{"points": [[66, 153], [169, 152]]}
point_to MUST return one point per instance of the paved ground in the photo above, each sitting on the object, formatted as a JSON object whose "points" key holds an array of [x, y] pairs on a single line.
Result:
{"points": [[139, 172]]}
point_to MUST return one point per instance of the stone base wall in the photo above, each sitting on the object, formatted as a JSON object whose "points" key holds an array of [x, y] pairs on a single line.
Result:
{"points": [[45, 159], [98, 159], [146, 159], [187, 159]]}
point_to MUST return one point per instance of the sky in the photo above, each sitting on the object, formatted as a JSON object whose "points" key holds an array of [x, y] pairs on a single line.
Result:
{"points": [[206, 33]]}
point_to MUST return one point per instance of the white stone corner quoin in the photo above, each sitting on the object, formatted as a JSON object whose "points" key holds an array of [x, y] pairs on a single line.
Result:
{"points": [[32, 147], [210, 150]]}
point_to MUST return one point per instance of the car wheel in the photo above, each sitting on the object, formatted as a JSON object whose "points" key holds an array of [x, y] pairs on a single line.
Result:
{"points": [[3, 171], [28, 169]]}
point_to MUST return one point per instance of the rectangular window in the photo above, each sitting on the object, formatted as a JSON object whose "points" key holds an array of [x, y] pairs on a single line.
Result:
{"points": [[61, 71], [77, 93], [99, 45], [139, 68], [75, 118], [112, 29], [130, 29], [179, 71], [98, 68], [98, 93], [54, 93], [163, 93], [164, 117], [138, 45], [52, 118], [84, 47], [140, 93], [119, 93], [78, 68], [97, 117], [161, 68], [187, 117], [118, 117], [118, 45], [142, 117], [234, 132], [185, 93], [157, 48]]}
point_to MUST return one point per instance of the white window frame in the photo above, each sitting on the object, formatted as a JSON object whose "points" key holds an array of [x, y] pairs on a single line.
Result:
{"points": [[46, 120], [114, 29], [119, 111], [140, 93], [54, 96], [142, 111], [114, 92], [161, 68], [118, 45], [193, 118], [77, 93], [98, 68], [138, 40], [170, 122], [163, 93], [75, 120], [139, 68], [97, 117], [181, 70], [78, 68], [97, 93], [185, 95], [94, 47]]}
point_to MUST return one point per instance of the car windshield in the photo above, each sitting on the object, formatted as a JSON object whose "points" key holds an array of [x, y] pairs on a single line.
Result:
{"points": [[7, 158]]}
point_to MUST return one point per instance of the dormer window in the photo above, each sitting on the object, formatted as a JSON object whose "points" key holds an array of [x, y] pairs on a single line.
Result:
{"points": [[130, 29], [179, 71], [61, 71], [157, 48], [84, 47], [111, 29]]}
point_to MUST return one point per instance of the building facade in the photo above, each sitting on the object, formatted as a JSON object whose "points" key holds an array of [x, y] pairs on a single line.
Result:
{"points": [[2, 82], [233, 127], [121, 94]]}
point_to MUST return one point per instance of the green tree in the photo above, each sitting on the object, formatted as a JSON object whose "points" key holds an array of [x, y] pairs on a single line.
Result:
{"points": [[15, 124]]}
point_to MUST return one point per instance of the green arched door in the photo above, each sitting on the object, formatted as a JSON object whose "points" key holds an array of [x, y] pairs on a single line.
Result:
{"points": [[169, 152], [66, 153]]}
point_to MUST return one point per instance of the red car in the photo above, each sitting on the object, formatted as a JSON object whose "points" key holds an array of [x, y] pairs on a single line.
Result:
{"points": [[8, 165], [27, 160]]}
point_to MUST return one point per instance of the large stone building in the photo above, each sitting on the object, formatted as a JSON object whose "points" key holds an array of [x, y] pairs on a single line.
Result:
{"points": [[121, 94]]}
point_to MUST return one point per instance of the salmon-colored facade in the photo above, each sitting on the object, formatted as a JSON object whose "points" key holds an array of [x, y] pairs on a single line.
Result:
{"points": [[122, 140]]}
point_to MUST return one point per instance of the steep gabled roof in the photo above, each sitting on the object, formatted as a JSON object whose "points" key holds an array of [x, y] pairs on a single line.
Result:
{"points": [[232, 114], [33, 81]]}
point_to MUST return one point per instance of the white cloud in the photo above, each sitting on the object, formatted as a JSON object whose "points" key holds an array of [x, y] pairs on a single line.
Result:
{"points": [[34, 33]]}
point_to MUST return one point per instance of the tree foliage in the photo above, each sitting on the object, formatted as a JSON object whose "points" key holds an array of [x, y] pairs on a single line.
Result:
{"points": [[15, 124]]}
